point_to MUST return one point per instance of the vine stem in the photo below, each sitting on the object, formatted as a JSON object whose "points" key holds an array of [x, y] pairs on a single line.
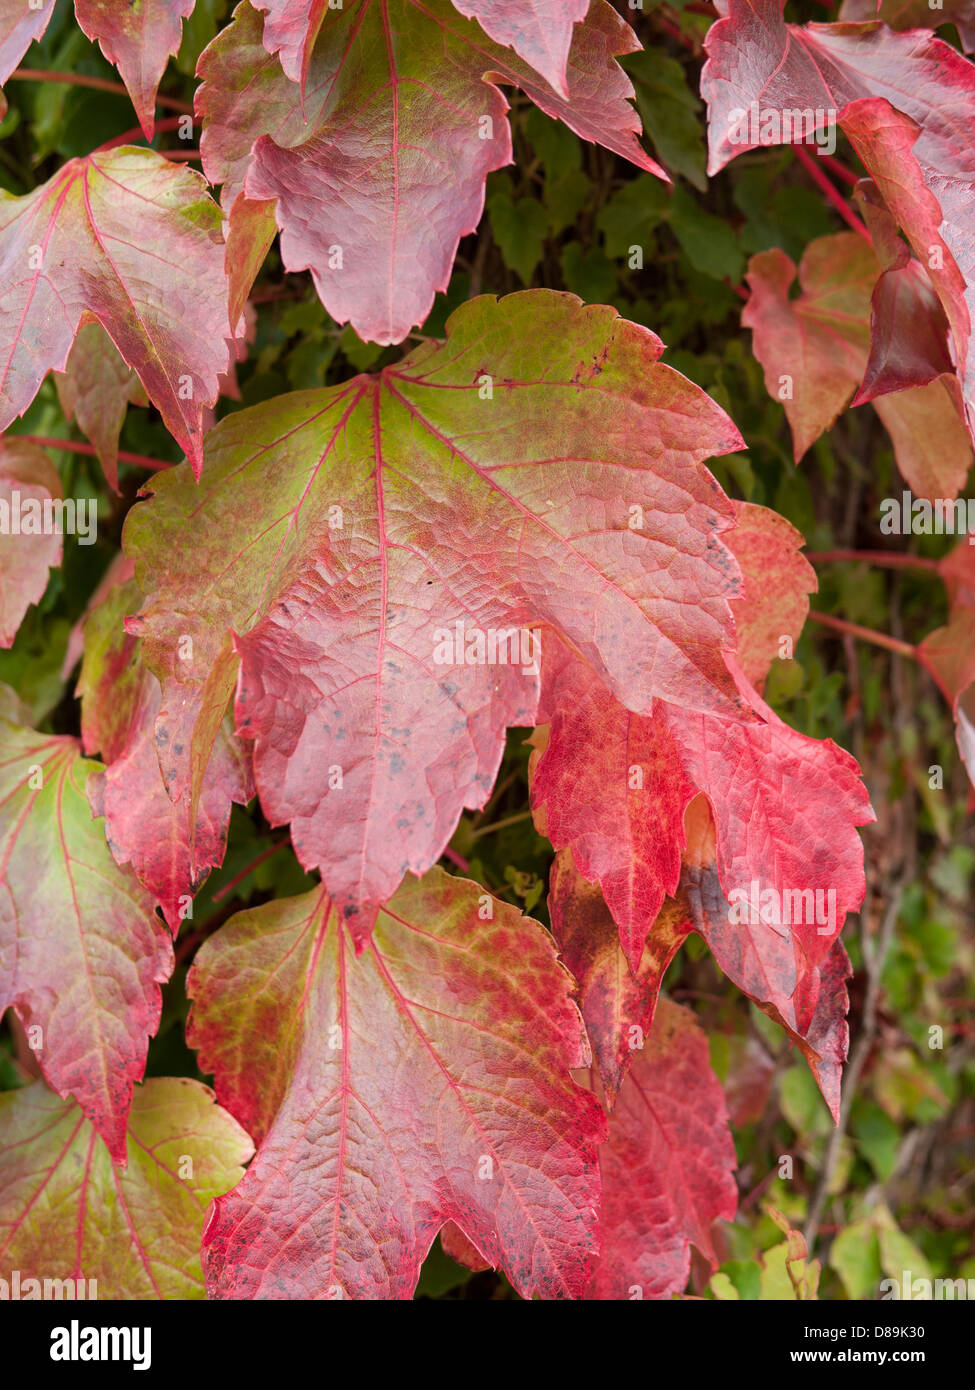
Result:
{"points": [[76, 447], [884, 558], [136, 133], [808, 162], [248, 869], [98, 84], [866, 634]]}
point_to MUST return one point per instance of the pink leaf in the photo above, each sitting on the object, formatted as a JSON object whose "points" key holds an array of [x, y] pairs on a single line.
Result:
{"points": [[138, 38], [129, 239], [81, 961], [425, 1081]]}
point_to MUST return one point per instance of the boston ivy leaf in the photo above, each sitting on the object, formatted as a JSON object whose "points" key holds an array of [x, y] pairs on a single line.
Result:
{"points": [[82, 954], [96, 389], [815, 350], [365, 549], [67, 1213], [138, 39], [614, 785], [667, 1166], [133, 241], [463, 1002], [171, 845], [28, 480], [374, 192]]}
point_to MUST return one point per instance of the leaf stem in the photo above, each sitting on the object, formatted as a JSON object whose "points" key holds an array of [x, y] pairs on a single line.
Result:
{"points": [[500, 824], [808, 161], [866, 634], [98, 84], [129, 137], [887, 559], [73, 446], [248, 870]]}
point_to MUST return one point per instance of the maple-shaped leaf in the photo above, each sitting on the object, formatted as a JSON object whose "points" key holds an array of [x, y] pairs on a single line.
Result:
{"points": [[540, 31], [374, 190], [614, 785], [67, 1214], [95, 390], [133, 241], [667, 1165], [379, 554], [139, 39], [422, 1082], [171, 845], [20, 24], [917, 14], [28, 480], [82, 954], [815, 350]]}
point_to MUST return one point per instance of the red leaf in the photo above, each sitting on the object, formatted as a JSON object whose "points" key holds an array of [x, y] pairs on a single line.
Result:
{"points": [[928, 188], [855, 72], [617, 1006], [138, 39], [814, 349], [66, 1213], [373, 191], [95, 389], [354, 528], [28, 480], [425, 1081], [171, 845], [615, 786], [667, 1166], [129, 239], [83, 960], [540, 31]]}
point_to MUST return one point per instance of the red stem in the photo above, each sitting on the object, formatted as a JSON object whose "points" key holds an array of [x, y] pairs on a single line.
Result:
{"points": [[98, 84], [866, 634], [456, 860], [239, 878], [842, 172], [128, 137], [838, 201], [885, 558], [75, 447]]}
